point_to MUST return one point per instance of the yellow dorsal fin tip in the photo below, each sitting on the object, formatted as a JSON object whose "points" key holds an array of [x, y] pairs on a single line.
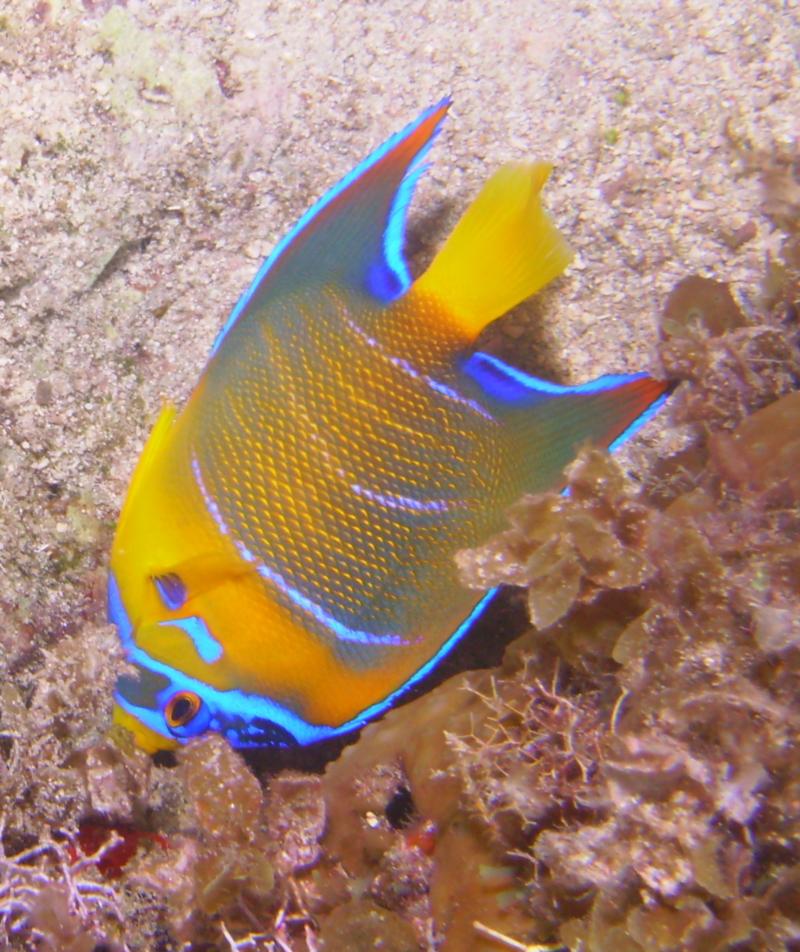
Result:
{"points": [[504, 249]]}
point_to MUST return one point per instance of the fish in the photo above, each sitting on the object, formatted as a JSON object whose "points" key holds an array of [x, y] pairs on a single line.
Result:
{"points": [[283, 566]]}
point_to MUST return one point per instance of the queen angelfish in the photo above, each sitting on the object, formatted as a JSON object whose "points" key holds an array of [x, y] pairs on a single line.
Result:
{"points": [[283, 568]]}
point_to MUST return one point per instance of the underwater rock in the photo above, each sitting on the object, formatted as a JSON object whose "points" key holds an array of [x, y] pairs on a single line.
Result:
{"points": [[59, 929], [219, 862], [441, 852], [698, 307], [780, 184], [565, 550], [227, 803], [117, 783], [764, 451], [54, 902], [736, 365], [362, 926], [44, 724], [681, 689], [295, 819]]}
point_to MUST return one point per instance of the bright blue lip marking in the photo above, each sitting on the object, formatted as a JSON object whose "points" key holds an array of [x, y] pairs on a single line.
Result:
{"points": [[228, 708], [116, 610]]}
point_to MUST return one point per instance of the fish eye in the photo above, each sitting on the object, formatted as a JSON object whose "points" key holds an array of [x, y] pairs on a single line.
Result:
{"points": [[181, 708]]}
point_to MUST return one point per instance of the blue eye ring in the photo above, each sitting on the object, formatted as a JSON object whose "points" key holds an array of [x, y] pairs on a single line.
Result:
{"points": [[181, 709]]}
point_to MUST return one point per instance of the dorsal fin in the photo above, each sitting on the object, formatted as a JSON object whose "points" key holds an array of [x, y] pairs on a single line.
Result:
{"points": [[354, 234], [502, 251]]}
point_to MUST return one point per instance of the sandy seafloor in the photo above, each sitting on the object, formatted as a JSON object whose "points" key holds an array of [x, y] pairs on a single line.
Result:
{"points": [[152, 153]]}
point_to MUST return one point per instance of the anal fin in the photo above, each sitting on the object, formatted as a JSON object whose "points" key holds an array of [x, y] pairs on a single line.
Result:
{"points": [[553, 420]]}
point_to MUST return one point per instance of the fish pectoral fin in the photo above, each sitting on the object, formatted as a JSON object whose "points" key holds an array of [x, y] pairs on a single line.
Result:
{"points": [[201, 573], [503, 250]]}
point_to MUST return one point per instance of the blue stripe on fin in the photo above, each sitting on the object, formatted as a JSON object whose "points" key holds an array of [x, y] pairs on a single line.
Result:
{"points": [[607, 410], [388, 277], [510, 385], [356, 238], [639, 422]]}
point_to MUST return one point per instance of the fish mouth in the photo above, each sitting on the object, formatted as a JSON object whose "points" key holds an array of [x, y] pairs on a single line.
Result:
{"points": [[244, 720], [136, 697], [137, 708], [140, 699], [145, 738]]}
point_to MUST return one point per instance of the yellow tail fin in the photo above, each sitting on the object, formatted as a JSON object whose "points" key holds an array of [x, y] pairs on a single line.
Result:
{"points": [[504, 249]]}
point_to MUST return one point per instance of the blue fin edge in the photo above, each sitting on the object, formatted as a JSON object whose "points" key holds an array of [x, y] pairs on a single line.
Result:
{"points": [[509, 385], [639, 422], [392, 236]]}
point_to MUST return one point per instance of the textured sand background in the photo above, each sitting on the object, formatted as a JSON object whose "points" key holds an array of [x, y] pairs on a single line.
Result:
{"points": [[151, 154]]}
